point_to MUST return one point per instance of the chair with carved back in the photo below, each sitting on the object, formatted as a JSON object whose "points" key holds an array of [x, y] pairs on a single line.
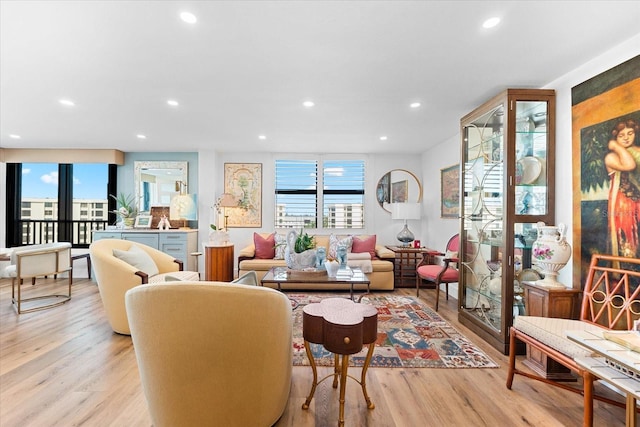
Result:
{"points": [[611, 300], [444, 272]]}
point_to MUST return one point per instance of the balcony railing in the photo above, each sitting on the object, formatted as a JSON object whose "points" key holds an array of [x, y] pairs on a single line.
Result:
{"points": [[78, 232]]}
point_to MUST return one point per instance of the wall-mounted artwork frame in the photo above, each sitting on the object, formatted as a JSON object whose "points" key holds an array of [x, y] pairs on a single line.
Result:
{"points": [[244, 182], [143, 221], [399, 191], [450, 192], [603, 213]]}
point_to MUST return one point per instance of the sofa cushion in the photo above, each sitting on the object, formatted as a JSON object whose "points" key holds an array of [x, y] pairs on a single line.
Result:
{"points": [[281, 245], [335, 241], [364, 244], [552, 332], [138, 258], [265, 246]]}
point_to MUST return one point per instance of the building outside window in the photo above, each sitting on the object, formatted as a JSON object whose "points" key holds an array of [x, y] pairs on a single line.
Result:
{"points": [[303, 196]]}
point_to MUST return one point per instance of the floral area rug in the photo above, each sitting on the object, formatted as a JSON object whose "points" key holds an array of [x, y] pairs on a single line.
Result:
{"points": [[410, 335]]}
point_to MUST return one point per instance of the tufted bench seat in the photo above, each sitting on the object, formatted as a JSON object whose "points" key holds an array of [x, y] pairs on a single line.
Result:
{"points": [[611, 295]]}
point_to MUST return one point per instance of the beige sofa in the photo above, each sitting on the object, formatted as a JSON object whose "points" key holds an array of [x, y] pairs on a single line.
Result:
{"points": [[381, 277]]}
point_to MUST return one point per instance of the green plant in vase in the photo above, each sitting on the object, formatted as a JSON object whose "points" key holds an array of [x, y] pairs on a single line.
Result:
{"points": [[127, 211], [304, 242], [300, 253]]}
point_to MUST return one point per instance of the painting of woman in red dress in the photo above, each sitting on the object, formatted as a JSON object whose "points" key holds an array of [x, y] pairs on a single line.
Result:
{"points": [[623, 166]]}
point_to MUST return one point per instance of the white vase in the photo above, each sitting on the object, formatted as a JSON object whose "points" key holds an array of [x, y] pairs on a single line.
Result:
{"points": [[551, 252], [298, 261]]}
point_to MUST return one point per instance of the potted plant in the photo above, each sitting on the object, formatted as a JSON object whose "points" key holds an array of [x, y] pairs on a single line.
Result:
{"points": [[300, 253], [126, 211]]}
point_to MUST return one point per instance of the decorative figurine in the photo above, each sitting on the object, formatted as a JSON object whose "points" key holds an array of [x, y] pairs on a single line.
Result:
{"points": [[164, 223], [342, 256], [321, 255]]}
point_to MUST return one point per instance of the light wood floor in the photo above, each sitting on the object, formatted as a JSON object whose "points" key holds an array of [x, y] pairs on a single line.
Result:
{"points": [[64, 366]]}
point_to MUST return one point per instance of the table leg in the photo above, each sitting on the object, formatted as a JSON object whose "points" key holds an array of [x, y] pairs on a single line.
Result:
{"points": [[336, 370], [343, 386], [363, 383], [631, 411], [312, 361]]}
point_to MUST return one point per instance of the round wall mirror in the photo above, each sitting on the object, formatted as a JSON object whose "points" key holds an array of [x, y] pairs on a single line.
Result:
{"points": [[398, 186]]}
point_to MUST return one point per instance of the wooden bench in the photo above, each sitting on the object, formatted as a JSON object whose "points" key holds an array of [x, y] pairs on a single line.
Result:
{"points": [[610, 300]]}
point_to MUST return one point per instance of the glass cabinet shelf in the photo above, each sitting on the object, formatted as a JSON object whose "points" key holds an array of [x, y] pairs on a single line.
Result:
{"points": [[507, 186]]}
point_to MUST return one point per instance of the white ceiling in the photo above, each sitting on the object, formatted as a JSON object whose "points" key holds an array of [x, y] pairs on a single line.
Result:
{"points": [[245, 68]]}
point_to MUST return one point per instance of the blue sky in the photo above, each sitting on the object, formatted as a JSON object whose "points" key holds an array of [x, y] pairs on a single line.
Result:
{"points": [[41, 180]]}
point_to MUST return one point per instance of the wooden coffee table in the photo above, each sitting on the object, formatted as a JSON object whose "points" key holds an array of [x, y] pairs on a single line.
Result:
{"points": [[350, 276]]}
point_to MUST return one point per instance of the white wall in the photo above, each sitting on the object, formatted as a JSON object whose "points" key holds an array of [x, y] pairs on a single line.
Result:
{"points": [[377, 220], [448, 152]]}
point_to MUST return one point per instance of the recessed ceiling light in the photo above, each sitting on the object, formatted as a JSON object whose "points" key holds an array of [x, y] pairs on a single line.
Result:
{"points": [[415, 104], [308, 104], [188, 17], [383, 138], [173, 102], [14, 136], [67, 102], [141, 136], [491, 22], [262, 137]]}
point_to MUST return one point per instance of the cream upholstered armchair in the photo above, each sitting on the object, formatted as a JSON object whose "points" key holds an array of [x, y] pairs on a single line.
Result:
{"points": [[222, 356], [32, 261], [120, 265]]}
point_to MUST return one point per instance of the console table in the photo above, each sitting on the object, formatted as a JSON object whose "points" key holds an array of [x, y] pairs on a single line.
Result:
{"points": [[178, 243], [404, 269], [342, 327]]}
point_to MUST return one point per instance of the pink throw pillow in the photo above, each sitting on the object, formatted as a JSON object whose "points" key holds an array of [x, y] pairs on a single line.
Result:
{"points": [[364, 245], [265, 246]]}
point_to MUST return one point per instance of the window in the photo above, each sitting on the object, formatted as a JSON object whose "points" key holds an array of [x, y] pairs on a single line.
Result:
{"points": [[343, 195], [52, 201], [300, 191], [296, 193]]}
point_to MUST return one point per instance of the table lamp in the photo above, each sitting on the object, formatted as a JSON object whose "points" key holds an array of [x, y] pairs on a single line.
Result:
{"points": [[405, 211], [227, 201], [183, 207]]}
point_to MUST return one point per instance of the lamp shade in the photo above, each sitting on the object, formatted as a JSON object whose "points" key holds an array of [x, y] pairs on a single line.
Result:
{"points": [[184, 207], [405, 211], [227, 201]]}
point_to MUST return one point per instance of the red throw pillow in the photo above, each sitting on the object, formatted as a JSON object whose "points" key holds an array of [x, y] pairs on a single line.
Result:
{"points": [[265, 246], [364, 245]]}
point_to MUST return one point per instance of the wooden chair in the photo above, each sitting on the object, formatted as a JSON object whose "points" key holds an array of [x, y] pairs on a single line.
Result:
{"points": [[439, 273], [611, 298]]}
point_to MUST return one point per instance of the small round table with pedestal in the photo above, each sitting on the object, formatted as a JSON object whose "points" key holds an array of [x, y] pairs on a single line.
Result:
{"points": [[342, 327]]}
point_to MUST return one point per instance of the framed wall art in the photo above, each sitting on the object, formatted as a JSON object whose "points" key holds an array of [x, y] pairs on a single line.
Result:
{"points": [[605, 130], [399, 191], [450, 192], [244, 182], [143, 221]]}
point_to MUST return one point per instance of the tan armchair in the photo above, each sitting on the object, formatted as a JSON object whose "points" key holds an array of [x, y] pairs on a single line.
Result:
{"points": [[212, 353], [115, 276]]}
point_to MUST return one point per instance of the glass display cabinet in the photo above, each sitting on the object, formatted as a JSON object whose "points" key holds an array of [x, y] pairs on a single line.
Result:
{"points": [[506, 187]]}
